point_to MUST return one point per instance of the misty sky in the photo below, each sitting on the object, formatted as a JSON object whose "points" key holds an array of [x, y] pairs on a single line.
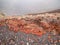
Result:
{"points": [[12, 7]]}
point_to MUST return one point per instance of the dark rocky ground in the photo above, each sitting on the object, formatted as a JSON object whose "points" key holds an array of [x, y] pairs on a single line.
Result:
{"points": [[8, 37]]}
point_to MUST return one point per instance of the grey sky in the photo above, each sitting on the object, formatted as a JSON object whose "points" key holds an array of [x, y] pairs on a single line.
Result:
{"points": [[28, 6]]}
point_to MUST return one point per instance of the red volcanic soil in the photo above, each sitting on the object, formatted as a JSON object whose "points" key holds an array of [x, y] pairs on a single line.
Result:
{"points": [[35, 26], [23, 26]]}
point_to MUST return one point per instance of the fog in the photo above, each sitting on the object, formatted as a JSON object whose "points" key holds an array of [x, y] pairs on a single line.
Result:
{"points": [[20, 7]]}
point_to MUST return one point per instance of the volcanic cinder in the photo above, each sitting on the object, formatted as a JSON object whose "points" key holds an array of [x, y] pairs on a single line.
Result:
{"points": [[31, 29]]}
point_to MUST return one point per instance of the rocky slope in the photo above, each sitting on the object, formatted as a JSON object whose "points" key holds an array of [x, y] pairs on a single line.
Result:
{"points": [[39, 29]]}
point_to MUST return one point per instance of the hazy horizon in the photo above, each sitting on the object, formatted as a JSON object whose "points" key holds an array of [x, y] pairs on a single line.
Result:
{"points": [[20, 7]]}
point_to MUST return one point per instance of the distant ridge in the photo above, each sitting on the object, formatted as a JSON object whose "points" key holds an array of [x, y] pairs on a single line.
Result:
{"points": [[53, 11]]}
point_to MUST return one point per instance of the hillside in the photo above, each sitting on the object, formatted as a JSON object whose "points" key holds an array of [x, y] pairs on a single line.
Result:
{"points": [[31, 30]]}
